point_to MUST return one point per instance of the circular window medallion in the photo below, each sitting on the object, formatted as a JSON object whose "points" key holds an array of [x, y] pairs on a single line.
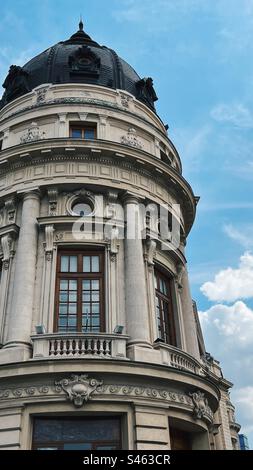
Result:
{"points": [[82, 209]]}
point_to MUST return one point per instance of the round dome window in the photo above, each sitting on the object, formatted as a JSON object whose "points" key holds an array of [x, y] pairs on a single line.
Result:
{"points": [[82, 209]]}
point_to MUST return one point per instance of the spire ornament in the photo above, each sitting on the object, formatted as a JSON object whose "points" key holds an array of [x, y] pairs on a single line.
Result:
{"points": [[81, 23]]}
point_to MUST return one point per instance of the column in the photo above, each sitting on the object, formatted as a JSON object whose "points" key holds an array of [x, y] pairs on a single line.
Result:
{"points": [[20, 323], [135, 283], [188, 316]]}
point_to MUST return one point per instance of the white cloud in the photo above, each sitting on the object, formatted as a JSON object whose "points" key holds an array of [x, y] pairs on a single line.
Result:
{"points": [[237, 115], [242, 235], [228, 332], [234, 322], [243, 399], [232, 284]]}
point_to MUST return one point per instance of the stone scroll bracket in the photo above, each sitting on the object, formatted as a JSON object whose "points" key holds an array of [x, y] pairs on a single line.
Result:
{"points": [[8, 236]]}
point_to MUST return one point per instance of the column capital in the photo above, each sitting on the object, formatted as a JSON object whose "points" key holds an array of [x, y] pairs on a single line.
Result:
{"points": [[34, 193], [131, 198]]}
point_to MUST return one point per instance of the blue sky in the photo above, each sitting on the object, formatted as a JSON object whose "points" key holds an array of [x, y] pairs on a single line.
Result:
{"points": [[199, 53]]}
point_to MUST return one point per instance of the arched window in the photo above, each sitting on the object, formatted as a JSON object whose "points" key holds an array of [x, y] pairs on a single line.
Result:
{"points": [[80, 292], [164, 309]]}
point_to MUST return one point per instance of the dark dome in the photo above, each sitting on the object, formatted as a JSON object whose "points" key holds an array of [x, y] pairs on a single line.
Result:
{"points": [[77, 60]]}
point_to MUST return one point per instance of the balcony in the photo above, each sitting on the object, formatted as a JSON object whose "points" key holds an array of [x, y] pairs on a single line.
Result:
{"points": [[79, 346], [178, 359]]}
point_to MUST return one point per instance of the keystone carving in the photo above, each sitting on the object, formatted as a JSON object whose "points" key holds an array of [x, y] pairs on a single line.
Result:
{"points": [[78, 388]]}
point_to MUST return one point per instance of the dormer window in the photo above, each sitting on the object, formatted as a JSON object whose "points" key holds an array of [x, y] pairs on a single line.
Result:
{"points": [[83, 131]]}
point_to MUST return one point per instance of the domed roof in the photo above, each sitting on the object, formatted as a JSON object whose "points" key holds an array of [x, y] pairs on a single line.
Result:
{"points": [[77, 60]]}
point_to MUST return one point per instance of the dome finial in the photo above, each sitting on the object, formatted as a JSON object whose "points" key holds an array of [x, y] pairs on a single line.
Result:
{"points": [[81, 23]]}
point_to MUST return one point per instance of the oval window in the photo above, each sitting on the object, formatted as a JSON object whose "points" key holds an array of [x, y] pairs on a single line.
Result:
{"points": [[82, 209]]}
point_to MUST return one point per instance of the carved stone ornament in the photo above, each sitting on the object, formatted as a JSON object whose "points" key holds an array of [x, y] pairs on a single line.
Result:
{"points": [[41, 94], [124, 100], [10, 207], [146, 91], [32, 134], [131, 139], [52, 200], [7, 244], [180, 273], [49, 242], [16, 83], [114, 245], [201, 408], [79, 388], [150, 252]]}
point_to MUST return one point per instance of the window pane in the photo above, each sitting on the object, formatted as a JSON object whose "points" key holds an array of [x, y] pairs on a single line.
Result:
{"points": [[95, 297], [89, 134], [86, 297], [86, 264], [64, 264], [63, 285], [72, 321], [72, 285], [86, 285], [95, 320], [82, 209], [95, 285], [95, 264], [63, 297], [73, 264], [95, 308], [63, 321], [63, 309], [72, 308], [86, 308], [73, 297], [76, 133]]}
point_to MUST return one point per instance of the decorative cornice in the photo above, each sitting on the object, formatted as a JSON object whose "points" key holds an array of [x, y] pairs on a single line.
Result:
{"points": [[79, 388]]}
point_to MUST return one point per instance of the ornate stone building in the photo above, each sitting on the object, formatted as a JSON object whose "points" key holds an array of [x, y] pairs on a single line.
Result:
{"points": [[100, 343]]}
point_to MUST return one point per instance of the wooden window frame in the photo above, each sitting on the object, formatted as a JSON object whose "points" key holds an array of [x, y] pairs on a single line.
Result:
{"points": [[80, 276], [169, 320], [83, 127]]}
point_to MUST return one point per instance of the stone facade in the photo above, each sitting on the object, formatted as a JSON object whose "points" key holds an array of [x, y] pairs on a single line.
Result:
{"points": [[152, 385]]}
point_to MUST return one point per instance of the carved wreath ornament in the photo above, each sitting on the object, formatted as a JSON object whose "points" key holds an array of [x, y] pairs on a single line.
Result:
{"points": [[78, 388]]}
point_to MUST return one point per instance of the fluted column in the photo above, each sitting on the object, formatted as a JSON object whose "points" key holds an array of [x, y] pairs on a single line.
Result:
{"points": [[19, 327], [135, 283]]}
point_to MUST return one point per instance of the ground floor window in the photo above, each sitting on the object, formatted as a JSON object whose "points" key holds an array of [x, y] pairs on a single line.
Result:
{"points": [[180, 440], [77, 433]]}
